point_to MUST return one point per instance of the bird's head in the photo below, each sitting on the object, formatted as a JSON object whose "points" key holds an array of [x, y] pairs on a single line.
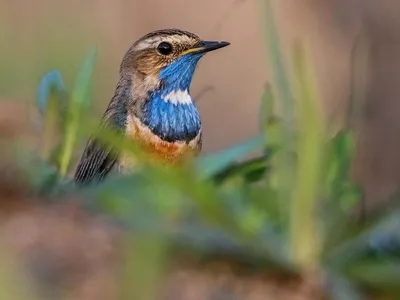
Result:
{"points": [[169, 56]]}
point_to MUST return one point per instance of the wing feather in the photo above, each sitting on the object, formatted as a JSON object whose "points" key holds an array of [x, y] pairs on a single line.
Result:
{"points": [[98, 159]]}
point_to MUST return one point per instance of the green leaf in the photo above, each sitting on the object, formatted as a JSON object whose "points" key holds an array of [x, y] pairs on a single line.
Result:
{"points": [[354, 248], [382, 275], [264, 198], [251, 170], [79, 102], [212, 164], [340, 193], [341, 155]]}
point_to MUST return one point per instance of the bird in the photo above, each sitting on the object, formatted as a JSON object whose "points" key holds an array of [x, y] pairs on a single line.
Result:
{"points": [[151, 105]]}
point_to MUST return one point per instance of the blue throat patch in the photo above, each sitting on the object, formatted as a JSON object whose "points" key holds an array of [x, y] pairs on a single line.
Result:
{"points": [[174, 118]]}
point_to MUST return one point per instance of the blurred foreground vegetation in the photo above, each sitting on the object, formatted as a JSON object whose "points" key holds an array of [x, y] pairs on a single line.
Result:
{"points": [[286, 214]]}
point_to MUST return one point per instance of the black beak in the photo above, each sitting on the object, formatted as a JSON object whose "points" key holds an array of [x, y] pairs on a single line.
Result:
{"points": [[207, 46]]}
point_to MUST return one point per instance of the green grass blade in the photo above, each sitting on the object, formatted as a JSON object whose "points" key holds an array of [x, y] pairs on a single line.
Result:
{"points": [[282, 164], [375, 235], [276, 59], [51, 99], [212, 164], [303, 224], [80, 100], [267, 112], [251, 170], [382, 275], [50, 85]]}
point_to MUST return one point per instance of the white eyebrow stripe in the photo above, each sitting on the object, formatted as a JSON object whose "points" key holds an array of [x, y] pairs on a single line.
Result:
{"points": [[148, 43], [154, 41], [178, 97]]}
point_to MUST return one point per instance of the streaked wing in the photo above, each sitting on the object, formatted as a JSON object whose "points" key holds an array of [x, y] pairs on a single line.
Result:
{"points": [[96, 162], [99, 159]]}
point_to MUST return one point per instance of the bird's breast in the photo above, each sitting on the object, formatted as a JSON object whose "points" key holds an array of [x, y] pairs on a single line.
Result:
{"points": [[171, 115], [159, 149]]}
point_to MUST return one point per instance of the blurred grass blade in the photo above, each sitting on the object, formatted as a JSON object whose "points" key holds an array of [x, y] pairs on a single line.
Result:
{"points": [[382, 275], [251, 169], [303, 224], [51, 101], [51, 85], [277, 60], [267, 112], [380, 235], [340, 150], [283, 162], [212, 164], [79, 101], [340, 192]]}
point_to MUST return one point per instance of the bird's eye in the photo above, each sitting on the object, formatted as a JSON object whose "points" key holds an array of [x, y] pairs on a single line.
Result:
{"points": [[164, 48]]}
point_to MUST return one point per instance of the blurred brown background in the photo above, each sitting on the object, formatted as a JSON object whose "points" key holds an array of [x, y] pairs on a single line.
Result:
{"points": [[39, 35]]}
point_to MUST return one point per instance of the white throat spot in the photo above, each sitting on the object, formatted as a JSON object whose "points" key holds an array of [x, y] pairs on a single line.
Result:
{"points": [[178, 97]]}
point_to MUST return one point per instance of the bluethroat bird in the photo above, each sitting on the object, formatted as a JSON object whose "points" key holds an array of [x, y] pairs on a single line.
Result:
{"points": [[152, 104]]}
